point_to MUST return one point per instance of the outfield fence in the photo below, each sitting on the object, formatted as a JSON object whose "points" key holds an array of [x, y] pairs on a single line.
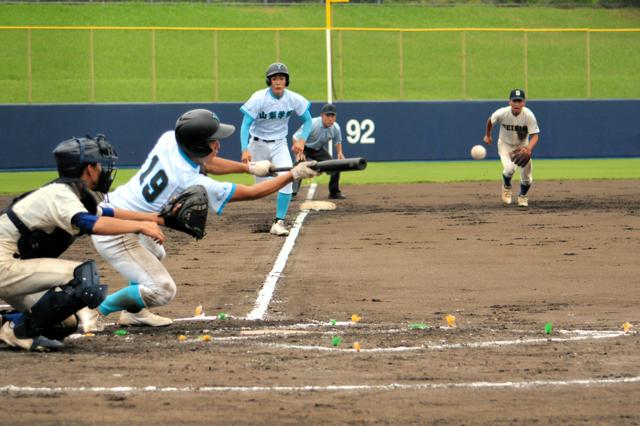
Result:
{"points": [[175, 64]]}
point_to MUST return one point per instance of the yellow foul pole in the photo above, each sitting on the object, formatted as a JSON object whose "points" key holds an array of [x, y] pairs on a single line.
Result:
{"points": [[328, 42]]}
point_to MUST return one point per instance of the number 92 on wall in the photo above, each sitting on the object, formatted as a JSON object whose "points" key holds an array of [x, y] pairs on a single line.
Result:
{"points": [[360, 131]]}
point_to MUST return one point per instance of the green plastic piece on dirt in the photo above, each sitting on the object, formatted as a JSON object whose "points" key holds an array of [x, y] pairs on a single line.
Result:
{"points": [[120, 332], [332, 322], [548, 328], [222, 316], [336, 340], [418, 326]]}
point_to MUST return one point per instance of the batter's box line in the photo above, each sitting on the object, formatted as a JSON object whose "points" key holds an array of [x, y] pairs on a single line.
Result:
{"points": [[27, 390]]}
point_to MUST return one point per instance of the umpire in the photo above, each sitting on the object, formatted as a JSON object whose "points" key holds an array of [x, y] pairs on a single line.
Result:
{"points": [[324, 130]]}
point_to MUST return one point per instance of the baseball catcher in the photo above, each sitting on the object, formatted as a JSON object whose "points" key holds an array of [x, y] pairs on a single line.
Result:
{"points": [[520, 156], [188, 211]]}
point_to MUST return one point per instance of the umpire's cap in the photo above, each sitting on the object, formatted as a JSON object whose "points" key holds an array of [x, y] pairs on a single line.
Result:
{"points": [[196, 128], [517, 95], [329, 109], [275, 69]]}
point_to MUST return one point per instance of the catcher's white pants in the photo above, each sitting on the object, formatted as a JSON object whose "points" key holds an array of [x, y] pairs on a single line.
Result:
{"points": [[23, 282], [509, 167], [277, 152], [138, 258]]}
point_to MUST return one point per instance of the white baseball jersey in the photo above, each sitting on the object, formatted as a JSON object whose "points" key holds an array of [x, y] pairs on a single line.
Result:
{"points": [[166, 173], [510, 124], [271, 114], [23, 280]]}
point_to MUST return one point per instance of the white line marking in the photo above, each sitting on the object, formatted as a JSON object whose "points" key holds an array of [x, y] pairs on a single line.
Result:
{"points": [[22, 390], [269, 285], [488, 344]]}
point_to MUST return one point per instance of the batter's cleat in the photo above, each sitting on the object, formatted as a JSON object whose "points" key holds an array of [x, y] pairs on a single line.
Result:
{"points": [[38, 343], [144, 318], [506, 194], [523, 201], [278, 228], [90, 321]]}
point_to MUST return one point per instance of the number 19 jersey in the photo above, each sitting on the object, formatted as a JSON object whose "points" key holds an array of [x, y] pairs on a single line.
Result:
{"points": [[167, 172]]}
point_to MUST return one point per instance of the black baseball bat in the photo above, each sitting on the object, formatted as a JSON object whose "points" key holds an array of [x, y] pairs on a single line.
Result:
{"points": [[346, 165]]}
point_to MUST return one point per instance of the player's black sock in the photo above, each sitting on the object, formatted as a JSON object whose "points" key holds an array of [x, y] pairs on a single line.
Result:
{"points": [[524, 189], [506, 181]]}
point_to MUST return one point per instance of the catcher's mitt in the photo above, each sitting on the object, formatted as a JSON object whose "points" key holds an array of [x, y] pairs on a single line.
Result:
{"points": [[520, 156], [187, 212]]}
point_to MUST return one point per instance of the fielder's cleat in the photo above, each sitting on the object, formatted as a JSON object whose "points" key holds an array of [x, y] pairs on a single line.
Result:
{"points": [[506, 194], [90, 320], [337, 196], [38, 343], [278, 228], [144, 318], [523, 201]]}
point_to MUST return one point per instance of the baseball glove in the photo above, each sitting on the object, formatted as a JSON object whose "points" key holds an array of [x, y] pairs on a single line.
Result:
{"points": [[520, 156], [188, 211]]}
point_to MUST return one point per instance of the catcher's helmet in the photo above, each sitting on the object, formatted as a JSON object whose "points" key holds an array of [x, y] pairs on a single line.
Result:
{"points": [[275, 69], [73, 155], [196, 128]]}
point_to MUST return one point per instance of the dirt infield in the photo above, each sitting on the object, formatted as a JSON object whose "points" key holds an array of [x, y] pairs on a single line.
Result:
{"points": [[394, 255]]}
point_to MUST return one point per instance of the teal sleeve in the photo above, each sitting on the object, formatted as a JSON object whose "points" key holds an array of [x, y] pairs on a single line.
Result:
{"points": [[307, 126], [244, 130]]}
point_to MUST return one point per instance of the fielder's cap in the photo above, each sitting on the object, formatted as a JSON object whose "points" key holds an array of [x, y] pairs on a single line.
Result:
{"points": [[517, 94], [329, 109]]}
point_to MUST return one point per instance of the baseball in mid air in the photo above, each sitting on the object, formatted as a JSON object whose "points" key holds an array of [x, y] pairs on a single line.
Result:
{"points": [[478, 152]]}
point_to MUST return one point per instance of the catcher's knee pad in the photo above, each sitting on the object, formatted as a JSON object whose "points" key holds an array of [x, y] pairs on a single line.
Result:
{"points": [[86, 285], [62, 329]]}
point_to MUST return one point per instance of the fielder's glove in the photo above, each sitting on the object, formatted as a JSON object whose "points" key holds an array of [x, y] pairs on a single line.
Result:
{"points": [[188, 211], [520, 156], [261, 168], [304, 170]]}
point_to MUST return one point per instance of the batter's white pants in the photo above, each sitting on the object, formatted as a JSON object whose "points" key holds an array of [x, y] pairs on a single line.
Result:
{"points": [[277, 152], [508, 166], [138, 258], [23, 282]]}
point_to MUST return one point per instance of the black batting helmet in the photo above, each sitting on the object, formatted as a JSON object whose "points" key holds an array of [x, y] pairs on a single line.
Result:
{"points": [[73, 155], [275, 69], [196, 128]]}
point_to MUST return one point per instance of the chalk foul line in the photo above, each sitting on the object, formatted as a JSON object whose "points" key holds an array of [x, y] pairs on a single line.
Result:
{"points": [[22, 390], [269, 285]]}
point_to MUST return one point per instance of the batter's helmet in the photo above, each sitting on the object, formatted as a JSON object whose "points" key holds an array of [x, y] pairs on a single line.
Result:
{"points": [[275, 69], [196, 128], [73, 155]]}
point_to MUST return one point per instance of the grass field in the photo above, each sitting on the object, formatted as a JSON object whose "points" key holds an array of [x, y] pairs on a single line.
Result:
{"points": [[399, 172], [195, 66]]}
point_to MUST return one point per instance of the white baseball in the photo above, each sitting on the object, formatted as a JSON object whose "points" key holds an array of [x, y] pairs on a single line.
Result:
{"points": [[478, 152]]}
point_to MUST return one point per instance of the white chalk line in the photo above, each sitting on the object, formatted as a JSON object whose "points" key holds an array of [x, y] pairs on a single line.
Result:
{"points": [[269, 285], [583, 335], [22, 390]]}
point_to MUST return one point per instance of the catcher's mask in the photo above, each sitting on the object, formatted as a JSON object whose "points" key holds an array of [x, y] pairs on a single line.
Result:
{"points": [[73, 155], [275, 69], [195, 129]]}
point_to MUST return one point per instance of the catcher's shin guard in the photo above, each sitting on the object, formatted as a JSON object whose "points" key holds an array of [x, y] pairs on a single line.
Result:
{"points": [[56, 307]]}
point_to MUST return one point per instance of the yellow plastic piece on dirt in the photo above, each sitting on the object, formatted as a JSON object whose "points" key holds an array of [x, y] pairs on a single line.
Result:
{"points": [[355, 318], [627, 326], [356, 346], [199, 311], [451, 320], [182, 338], [89, 334], [206, 338]]}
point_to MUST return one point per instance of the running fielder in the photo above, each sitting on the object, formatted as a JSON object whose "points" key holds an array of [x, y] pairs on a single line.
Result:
{"points": [[179, 160], [265, 126], [518, 136]]}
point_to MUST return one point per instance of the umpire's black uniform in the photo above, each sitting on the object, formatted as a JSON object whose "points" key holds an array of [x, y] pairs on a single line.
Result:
{"points": [[334, 180]]}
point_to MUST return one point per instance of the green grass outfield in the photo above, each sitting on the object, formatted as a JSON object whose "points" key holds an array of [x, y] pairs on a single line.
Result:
{"points": [[401, 172], [367, 66]]}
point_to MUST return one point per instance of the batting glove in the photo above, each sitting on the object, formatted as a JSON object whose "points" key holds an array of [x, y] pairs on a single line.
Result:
{"points": [[260, 168], [303, 170]]}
